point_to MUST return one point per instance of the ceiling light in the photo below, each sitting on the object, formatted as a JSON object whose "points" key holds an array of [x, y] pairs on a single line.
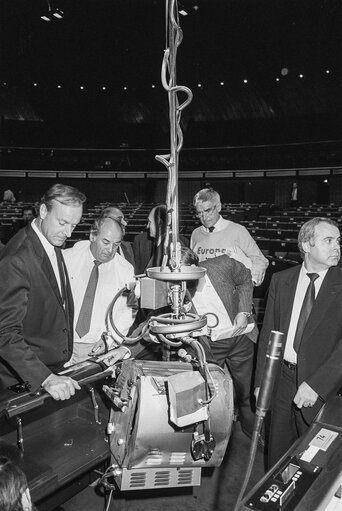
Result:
{"points": [[52, 14], [57, 13]]}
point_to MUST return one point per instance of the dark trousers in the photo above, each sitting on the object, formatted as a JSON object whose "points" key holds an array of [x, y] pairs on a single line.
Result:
{"points": [[287, 422], [238, 352]]}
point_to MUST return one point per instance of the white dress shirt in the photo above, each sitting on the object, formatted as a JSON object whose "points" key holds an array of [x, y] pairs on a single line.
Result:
{"points": [[303, 282], [207, 300], [50, 251], [113, 276]]}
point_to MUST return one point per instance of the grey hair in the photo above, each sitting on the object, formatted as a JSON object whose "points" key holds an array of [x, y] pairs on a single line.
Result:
{"points": [[307, 231], [207, 195], [67, 195]]}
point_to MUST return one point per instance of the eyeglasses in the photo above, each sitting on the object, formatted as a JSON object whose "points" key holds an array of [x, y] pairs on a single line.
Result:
{"points": [[207, 212]]}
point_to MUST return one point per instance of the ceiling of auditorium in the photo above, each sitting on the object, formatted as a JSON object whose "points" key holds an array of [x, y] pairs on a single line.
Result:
{"points": [[243, 59]]}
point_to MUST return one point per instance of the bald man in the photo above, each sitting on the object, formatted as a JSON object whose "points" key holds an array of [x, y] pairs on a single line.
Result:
{"points": [[125, 249], [100, 254]]}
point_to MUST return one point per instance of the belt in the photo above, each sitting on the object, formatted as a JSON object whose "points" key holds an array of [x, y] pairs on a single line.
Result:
{"points": [[289, 364]]}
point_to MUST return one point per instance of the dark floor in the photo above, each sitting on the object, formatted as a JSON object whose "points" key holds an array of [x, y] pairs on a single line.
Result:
{"points": [[218, 491]]}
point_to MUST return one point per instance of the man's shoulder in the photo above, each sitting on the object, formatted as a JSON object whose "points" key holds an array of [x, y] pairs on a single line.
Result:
{"points": [[79, 246], [197, 231], [221, 260], [287, 273], [20, 243]]}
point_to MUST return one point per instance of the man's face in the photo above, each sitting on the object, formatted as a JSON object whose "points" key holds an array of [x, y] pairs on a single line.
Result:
{"points": [[28, 215], [324, 250], [58, 223], [118, 215], [106, 242], [208, 213], [151, 224]]}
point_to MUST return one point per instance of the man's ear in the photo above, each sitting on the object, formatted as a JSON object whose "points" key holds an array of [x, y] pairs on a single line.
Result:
{"points": [[26, 500], [306, 246], [219, 207], [92, 236], [43, 211]]}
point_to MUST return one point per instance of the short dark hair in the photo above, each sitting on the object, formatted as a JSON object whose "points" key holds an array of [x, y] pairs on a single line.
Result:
{"points": [[188, 257], [307, 231], [64, 194], [28, 208], [96, 227], [13, 484]]}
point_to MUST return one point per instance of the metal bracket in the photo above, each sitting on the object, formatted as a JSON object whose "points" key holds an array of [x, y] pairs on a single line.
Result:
{"points": [[20, 438], [95, 405]]}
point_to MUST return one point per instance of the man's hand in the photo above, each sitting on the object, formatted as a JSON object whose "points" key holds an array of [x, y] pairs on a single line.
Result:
{"points": [[305, 396], [257, 277], [114, 356], [240, 323], [60, 387]]}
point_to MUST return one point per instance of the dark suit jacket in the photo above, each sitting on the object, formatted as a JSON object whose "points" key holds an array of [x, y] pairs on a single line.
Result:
{"points": [[232, 281], [320, 353], [127, 252], [35, 338]]}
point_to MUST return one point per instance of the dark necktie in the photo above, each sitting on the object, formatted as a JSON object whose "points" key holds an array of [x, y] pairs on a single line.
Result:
{"points": [[308, 302], [84, 318], [210, 229], [66, 296], [61, 271]]}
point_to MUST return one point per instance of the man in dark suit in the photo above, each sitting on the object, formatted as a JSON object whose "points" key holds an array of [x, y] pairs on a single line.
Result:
{"points": [[310, 371], [36, 307]]}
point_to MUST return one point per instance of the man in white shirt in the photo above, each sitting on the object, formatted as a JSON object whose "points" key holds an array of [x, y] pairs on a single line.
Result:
{"points": [[305, 304], [218, 236], [113, 273]]}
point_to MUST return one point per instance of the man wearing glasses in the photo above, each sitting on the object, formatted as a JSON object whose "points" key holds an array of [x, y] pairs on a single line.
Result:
{"points": [[218, 236], [97, 272]]}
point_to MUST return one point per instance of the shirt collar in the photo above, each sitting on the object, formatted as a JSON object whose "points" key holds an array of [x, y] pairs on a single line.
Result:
{"points": [[219, 226], [48, 247], [304, 271]]}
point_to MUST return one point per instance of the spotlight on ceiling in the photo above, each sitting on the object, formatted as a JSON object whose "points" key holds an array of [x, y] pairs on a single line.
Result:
{"points": [[58, 13], [52, 13]]}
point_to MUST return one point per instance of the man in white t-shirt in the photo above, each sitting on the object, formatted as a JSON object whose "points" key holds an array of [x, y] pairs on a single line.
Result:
{"points": [[218, 236]]}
